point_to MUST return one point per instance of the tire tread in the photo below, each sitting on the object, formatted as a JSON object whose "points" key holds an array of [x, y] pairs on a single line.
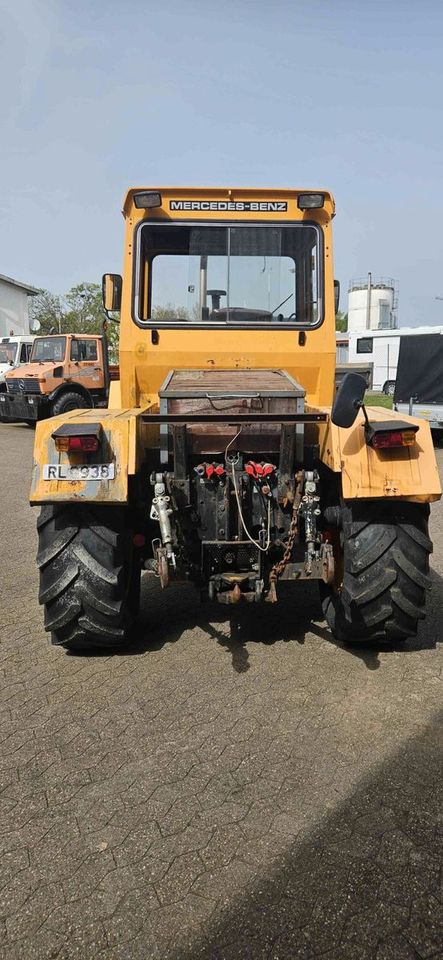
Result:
{"points": [[386, 572], [84, 582]]}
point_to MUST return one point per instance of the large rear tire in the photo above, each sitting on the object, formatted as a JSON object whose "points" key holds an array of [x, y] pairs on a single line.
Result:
{"points": [[69, 401], [89, 575], [382, 572]]}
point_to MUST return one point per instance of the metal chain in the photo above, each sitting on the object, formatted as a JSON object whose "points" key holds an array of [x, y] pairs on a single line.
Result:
{"points": [[279, 567]]}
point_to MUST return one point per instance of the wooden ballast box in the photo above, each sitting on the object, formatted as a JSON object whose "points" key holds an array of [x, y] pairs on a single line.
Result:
{"points": [[234, 392]]}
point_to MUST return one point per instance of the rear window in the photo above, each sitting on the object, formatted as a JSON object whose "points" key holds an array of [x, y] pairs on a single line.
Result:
{"points": [[229, 274]]}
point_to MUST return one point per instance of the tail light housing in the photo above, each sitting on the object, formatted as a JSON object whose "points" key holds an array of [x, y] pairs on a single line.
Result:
{"points": [[394, 438], [77, 437], [86, 444], [390, 434]]}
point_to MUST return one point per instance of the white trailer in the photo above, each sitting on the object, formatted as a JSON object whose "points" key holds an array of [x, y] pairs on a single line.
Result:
{"points": [[381, 348]]}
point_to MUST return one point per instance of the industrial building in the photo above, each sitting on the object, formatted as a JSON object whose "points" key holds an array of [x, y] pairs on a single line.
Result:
{"points": [[14, 319], [372, 304]]}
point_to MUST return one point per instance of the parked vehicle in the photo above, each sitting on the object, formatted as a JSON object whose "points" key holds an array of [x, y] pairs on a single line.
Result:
{"points": [[381, 348], [364, 369], [419, 384], [226, 463], [65, 372], [14, 352]]}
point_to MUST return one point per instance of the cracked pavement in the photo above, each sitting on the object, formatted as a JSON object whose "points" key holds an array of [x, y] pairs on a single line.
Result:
{"points": [[229, 787]]}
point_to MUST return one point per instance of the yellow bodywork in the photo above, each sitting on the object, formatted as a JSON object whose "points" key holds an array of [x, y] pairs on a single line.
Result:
{"points": [[146, 360], [144, 365], [122, 444], [409, 472]]}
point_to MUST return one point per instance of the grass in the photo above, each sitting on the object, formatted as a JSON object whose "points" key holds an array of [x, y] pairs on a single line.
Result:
{"points": [[378, 400]]}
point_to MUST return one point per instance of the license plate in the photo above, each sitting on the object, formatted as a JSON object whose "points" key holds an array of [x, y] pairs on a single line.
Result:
{"points": [[93, 471]]}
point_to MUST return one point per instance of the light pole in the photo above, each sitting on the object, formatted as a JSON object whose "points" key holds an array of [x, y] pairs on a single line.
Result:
{"points": [[368, 303]]}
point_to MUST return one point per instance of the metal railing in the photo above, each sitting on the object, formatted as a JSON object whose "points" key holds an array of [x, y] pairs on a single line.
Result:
{"points": [[376, 283]]}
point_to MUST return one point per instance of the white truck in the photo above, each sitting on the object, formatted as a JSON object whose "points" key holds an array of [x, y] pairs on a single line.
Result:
{"points": [[13, 352], [381, 348]]}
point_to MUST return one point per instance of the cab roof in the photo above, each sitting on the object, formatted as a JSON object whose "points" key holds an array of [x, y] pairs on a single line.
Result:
{"points": [[226, 193]]}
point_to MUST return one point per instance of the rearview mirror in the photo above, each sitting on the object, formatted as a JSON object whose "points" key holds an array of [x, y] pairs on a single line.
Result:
{"points": [[348, 400], [336, 294], [112, 291]]}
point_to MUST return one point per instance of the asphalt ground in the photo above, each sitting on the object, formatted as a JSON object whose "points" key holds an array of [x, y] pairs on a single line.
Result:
{"points": [[227, 788]]}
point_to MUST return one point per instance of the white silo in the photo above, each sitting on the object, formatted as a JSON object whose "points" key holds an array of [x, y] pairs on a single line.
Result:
{"points": [[372, 304]]}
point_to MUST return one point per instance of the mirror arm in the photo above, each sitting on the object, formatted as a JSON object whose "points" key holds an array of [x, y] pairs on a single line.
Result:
{"points": [[110, 317], [360, 406]]}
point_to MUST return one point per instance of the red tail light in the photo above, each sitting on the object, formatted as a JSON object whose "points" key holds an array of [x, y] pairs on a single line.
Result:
{"points": [[84, 444], [393, 438]]}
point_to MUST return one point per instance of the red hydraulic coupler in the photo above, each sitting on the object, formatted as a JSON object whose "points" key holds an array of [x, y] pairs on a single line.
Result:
{"points": [[210, 471], [261, 474], [258, 471]]}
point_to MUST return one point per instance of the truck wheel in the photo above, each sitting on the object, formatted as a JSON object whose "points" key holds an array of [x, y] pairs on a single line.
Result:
{"points": [[389, 388], [382, 572], [89, 575], [68, 401]]}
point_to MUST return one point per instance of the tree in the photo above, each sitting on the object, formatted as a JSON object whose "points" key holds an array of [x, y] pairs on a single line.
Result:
{"points": [[79, 311], [341, 321], [46, 309], [169, 312], [84, 309], [113, 337]]}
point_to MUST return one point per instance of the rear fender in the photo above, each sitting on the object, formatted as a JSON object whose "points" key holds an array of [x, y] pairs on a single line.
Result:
{"points": [[408, 472], [70, 388], [121, 444]]}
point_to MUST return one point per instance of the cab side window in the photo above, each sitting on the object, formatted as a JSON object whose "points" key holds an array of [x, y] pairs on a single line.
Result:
{"points": [[90, 349], [24, 355], [83, 350]]}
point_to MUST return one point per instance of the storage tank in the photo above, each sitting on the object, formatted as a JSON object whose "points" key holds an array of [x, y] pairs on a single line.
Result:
{"points": [[372, 304]]}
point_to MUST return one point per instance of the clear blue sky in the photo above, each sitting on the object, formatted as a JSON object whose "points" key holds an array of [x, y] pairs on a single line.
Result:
{"points": [[338, 93]]}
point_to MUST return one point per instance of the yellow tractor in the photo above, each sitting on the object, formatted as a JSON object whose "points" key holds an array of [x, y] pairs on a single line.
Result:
{"points": [[223, 459]]}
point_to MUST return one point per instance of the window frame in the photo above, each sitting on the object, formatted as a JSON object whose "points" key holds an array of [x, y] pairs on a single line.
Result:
{"points": [[83, 359], [225, 324], [5, 342], [363, 352], [60, 336]]}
